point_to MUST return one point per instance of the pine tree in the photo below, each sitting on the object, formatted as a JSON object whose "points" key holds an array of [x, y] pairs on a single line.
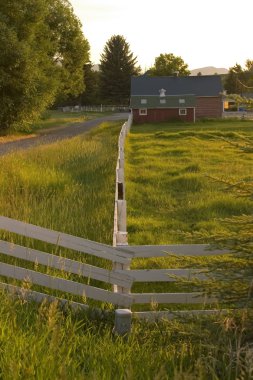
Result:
{"points": [[117, 65]]}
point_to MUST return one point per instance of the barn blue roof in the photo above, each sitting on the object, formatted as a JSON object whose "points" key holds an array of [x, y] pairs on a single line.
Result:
{"points": [[204, 85]]}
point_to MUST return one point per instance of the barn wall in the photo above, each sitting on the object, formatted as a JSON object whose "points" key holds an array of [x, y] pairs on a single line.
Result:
{"points": [[209, 107], [162, 114]]}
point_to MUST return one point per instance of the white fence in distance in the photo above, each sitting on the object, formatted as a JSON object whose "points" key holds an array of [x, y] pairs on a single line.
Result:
{"points": [[95, 108]]}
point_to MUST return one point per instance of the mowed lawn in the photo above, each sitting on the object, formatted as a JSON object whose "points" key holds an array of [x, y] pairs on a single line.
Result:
{"points": [[170, 189]]}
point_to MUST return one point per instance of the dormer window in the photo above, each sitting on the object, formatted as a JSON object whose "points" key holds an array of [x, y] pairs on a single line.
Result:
{"points": [[162, 92]]}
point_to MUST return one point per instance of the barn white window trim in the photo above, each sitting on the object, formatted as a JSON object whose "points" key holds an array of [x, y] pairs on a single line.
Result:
{"points": [[182, 111], [143, 111], [143, 101], [181, 101]]}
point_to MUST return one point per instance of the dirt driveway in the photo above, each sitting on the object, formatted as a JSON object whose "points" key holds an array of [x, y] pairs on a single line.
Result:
{"points": [[56, 134]]}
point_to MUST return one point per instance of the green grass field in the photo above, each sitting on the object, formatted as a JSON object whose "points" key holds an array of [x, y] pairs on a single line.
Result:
{"points": [[169, 188], [69, 186], [51, 119], [42, 342], [172, 197]]}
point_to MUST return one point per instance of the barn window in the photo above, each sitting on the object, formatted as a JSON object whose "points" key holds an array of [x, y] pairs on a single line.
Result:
{"points": [[182, 111], [181, 101], [162, 101], [143, 111], [143, 101]]}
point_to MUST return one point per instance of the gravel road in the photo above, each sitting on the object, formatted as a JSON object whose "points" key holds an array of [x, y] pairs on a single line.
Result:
{"points": [[56, 134]]}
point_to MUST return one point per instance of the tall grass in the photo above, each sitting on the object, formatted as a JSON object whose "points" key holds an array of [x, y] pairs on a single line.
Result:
{"points": [[44, 342], [169, 187], [67, 186], [171, 191]]}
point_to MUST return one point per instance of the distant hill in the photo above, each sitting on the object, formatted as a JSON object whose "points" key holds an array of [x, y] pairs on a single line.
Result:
{"points": [[209, 70]]}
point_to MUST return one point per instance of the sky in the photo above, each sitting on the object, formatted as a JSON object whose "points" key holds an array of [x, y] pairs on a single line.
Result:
{"points": [[203, 32]]}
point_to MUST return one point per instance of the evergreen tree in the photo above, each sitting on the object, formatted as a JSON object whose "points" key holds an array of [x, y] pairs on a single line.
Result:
{"points": [[117, 65]]}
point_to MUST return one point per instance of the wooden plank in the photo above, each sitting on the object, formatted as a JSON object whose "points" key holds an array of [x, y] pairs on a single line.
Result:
{"points": [[65, 240], [153, 316], [120, 175], [173, 249], [63, 285], [68, 265], [122, 215], [186, 298], [164, 275], [32, 295]]}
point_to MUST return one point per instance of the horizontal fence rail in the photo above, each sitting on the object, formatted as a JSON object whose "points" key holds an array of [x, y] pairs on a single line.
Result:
{"points": [[95, 108], [173, 249], [121, 276], [67, 286], [64, 264], [64, 240]]}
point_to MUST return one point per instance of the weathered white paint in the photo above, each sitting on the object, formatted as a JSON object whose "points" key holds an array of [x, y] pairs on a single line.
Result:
{"points": [[186, 298], [172, 249], [122, 325], [64, 264], [64, 240], [153, 316], [63, 285], [164, 275]]}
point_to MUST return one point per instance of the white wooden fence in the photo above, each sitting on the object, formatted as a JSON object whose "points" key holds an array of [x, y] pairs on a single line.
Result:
{"points": [[95, 108], [121, 277], [243, 115]]}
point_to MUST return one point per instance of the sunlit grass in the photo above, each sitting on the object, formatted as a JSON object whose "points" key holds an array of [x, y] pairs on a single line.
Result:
{"points": [[44, 342], [171, 191], [69, 186], [169, 187], [48, 120]]}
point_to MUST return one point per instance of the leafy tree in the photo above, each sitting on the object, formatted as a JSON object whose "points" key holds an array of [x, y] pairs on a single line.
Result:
{"points": [[168, 65], [240, 80], [231, 84], [90, 96], [249, 65], [117, 65], [42, 53], [91, 93]]}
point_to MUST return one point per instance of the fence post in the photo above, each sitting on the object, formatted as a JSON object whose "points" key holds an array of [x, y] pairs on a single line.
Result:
{"points": [[120, 211], [122, 325]]}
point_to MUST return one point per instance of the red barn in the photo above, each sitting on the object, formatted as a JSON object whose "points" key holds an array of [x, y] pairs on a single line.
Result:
{"points": [[155, 99]]}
